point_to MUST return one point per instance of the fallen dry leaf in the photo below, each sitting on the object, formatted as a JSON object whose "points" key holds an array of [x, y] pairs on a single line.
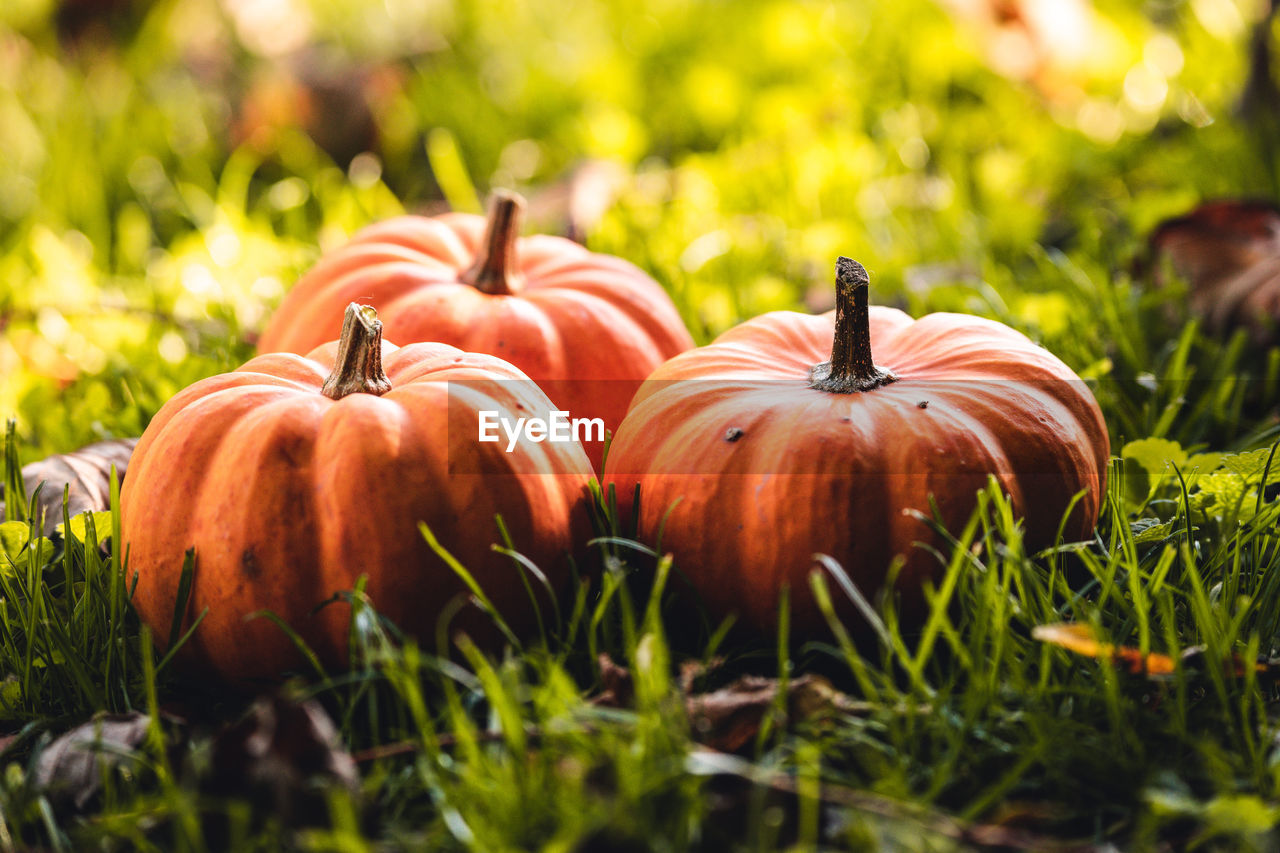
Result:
{"points": [[69, 770], [616, 683], [728, 717], [1080, 638], [283, 753], [86, 471], [1229, 253]]}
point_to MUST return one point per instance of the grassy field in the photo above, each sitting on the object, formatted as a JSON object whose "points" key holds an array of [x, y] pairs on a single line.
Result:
{"points": [[168, 169]]}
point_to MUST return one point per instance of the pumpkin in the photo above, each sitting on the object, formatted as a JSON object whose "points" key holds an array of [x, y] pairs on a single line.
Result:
{"points": [[291, 477], [587, 327], [759, 451]]}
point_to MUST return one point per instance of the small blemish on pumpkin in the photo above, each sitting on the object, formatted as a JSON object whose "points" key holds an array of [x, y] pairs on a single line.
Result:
{"points": [[732, 434], [249, 564], [923, 404]]}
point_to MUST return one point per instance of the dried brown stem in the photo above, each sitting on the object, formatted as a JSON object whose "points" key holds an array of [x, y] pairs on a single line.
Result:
{"points": [[358, 367], [851, 367], [495, 270]]}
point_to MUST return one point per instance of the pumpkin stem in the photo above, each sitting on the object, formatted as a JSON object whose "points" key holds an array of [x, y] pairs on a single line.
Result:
{"points": [[358, 367], [495, 270], [851, 367]]}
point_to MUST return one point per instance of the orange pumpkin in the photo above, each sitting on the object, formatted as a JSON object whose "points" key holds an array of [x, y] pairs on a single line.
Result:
{"points": [[588, 328], [766, 452], [291, 477]]}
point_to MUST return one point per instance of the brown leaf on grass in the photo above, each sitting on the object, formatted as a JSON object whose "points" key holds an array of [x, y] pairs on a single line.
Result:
{"points": [[86, 471], [728, 717], [616, 683], [1229, 253], [724, 719], [1080, 638], [69, 770], [283, 753]]}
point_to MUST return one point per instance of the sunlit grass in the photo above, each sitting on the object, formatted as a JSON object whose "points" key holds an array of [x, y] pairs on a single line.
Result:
{"points": [[143, 243], [962, 717]]}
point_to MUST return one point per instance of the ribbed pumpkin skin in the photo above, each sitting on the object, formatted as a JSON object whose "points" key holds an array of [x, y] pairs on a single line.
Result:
{"points": [[577, 317], [289, 496], [819, 472]]}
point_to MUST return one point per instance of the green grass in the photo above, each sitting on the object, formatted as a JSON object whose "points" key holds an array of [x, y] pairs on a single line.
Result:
{"points": [[966, 722], [142, 247]]}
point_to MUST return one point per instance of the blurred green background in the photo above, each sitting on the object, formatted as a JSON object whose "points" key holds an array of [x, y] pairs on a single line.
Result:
{"points": [[168, 169]]}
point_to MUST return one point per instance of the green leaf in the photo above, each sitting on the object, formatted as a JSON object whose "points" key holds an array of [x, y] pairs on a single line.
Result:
{"points": [[14, 536], [1226, 489], [79, 526], [1147, 530], [10, 694], [1155, 455], [56, 658], [1233, 814], [1251, 464], [1202, 501], [1203, 463]]}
